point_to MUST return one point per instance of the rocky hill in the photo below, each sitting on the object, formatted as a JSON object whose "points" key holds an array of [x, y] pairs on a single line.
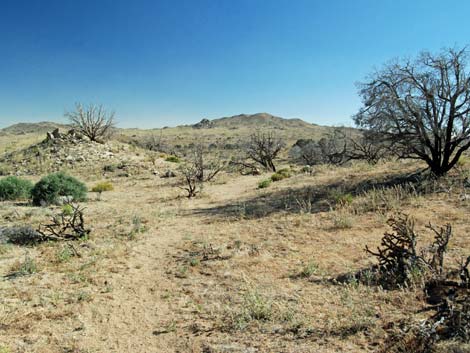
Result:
{"points": [[257, 120], [63, 150], [28, 128]]}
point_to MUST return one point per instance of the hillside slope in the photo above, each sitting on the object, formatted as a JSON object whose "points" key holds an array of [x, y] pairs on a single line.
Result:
{"points": [[259, 120], [27, 128]]}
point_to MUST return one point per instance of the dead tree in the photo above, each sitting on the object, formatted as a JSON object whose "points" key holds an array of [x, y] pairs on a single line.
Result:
{"points": [[93, 121], [422, 107], [307, 152], [263, 148], [200, 168], [333, 147], [207, 166], [191, 182], [367, 147]]}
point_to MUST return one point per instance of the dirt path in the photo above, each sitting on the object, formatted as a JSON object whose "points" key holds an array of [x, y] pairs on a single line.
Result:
{"points": [[135, 316], [139, 312]]}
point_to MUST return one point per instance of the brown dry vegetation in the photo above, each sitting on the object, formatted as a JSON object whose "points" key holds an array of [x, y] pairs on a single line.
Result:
{"points": [[237, 269]]}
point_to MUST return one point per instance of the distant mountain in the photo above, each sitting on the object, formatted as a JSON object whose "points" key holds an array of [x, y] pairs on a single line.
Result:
{"points": [[253, 121], [26, 128]]}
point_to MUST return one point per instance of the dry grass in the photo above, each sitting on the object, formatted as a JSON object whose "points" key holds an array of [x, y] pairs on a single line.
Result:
{"points": [[237, 269]]}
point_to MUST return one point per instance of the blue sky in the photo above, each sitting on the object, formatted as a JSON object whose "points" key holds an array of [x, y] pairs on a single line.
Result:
{"points": [[170, 62]]}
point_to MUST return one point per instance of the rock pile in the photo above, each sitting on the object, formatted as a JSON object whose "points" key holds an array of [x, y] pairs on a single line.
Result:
{"points": [[59, 150]]}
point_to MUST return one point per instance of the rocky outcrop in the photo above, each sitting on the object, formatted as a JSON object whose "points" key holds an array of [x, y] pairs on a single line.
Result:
{"points": [[204, 124]]}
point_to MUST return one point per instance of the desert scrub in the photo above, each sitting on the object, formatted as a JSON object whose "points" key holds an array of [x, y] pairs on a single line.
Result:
{"points": [[172, 159], [264, 183], [383, 199], [342, 219], [340, 198], [20, 235], [50, 188], [308, 270], [255, 307], [103, 186], [281, 174], [110, 168], [26, 267], [13, 188]]}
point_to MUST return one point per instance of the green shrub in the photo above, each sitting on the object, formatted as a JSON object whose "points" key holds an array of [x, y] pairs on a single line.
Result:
{"points": [[308, 270], [110, 168], [67, 209], [51, 187], [172, 159], [103, 186], [281, 174], [264, 183], [344, 199], [13, 188]]}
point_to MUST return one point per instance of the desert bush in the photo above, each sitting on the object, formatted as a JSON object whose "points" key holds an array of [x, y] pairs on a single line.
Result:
{"points": [[27, 267], [281, 174], [20, 235], [308, 270], [110, 168], [13, 188], [342, 219], [51, 187], [384, 199], [264, 183], [102, 187], [341, 198], [256, 307], [173, 159]]}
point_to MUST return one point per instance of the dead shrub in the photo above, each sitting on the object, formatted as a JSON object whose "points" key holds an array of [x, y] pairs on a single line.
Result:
{"points": [[401, 263]]}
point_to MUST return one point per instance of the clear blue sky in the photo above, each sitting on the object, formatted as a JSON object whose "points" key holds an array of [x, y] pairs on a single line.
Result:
{"points": [[169, 62]]}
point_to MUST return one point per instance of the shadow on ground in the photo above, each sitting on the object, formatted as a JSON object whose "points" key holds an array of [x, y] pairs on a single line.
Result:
{"points": [[309, 199]]}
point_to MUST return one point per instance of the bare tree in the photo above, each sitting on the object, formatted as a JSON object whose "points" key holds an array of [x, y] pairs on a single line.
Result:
{"points": [[200, 168], [93, 121], [306, 152], [207, 166], [367, 147], [333, 147], [190, 172], [422, 107], [263, 148]]}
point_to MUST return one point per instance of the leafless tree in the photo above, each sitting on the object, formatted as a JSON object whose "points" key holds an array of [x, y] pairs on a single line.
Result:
{"points": [[190, 172], [200, 168], [306, 152], [421, 107], [333, 147], [263, 148], [93, 121], [367, 147], [207, 166]]}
